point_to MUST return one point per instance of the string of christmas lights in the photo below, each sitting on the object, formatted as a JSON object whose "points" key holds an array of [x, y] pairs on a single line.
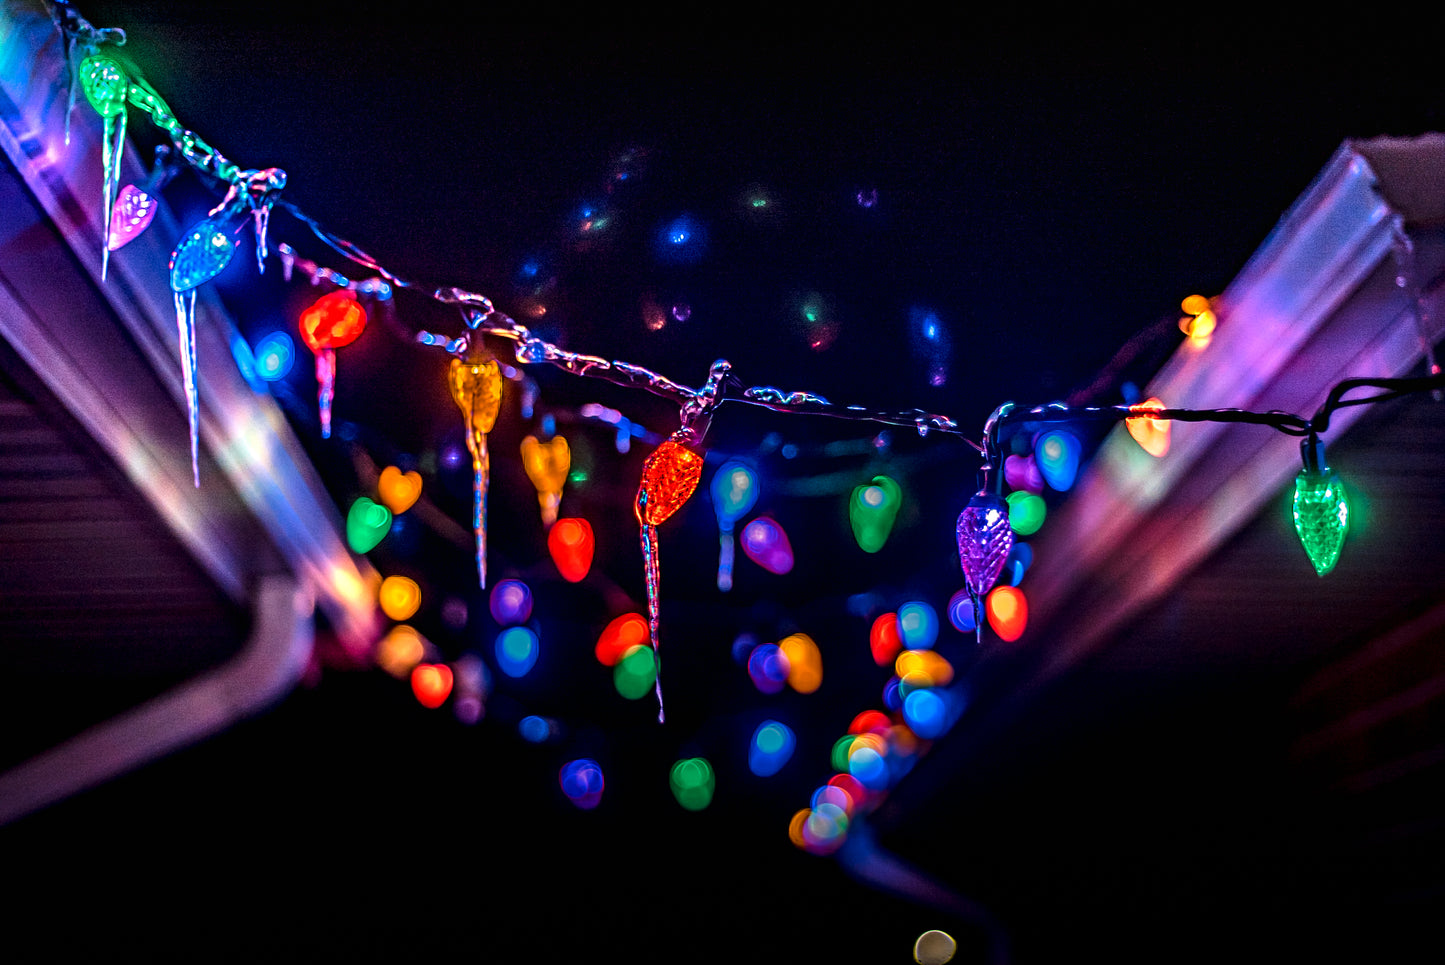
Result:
{"points": [[985, 530]]}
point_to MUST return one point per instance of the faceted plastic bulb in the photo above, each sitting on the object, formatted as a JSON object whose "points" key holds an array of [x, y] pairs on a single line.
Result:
{"points": [[1321, 517], [984, 541]]}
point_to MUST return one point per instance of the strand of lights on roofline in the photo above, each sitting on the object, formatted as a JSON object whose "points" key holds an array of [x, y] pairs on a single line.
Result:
{"points": [[673, 471], [877, 748]]}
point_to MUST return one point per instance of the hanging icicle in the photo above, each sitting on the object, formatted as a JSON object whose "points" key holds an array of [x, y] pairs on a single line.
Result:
{"points": [[476, 385], [336, 320], [105, 84], [201, 255]]}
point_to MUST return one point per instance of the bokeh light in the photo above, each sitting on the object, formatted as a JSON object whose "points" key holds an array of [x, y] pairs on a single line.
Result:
{"points": [[1008, 612], [927, 713], [431, 683], [765, 543], [1057, 453], [934, 948], [571, 545], [535, 729], [805, 662], [1021, 472], [400, 651], [517, 649], [636, 673], [884, 640], [275, 353], [734, 492], [825, 828], [917, 625], [960, 612], [621, 635], [768, 668], [1026, 512], [473, 684], [582, 782], [398, 490], [927, 668], [399, 597], [1151, 434], [771, 747], [872, 510], [511, 602], [367, 524], [870, 721], [692, 782], [892, 697], [841, 747]]}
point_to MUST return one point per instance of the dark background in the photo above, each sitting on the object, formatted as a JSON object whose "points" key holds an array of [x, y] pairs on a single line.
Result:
{"points": [[1047, 192]]}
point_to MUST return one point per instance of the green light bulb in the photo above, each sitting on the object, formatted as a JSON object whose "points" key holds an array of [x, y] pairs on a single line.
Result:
{"points": [[871, 511], [1321, 516], [105, 84]]}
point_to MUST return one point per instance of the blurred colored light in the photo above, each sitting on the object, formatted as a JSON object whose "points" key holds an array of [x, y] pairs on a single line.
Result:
{"points": [[929, 663], [1151, 434], [432, 684], [621, 635], [635, 673], [892, 698], [581, 780], [934, 948], [473, 683], [869, 767], [1021, 472], [1025, 512], [398, 490], [400, 651], [795, 827], [692, 783], [367, 524], [841, 747], [1008, 612], [274, 354], [926, 712], [870, 721], [884, 640], [399, 597], [517, 650], [825, 828], [872, 510], [571, 545], [805, 662], [1199, 328], [534, 729], [768, 668], [743, 646], [917, 625], [1195, 305], [511, 602], [1057, 454], [765, 543], [836, 796], [960, 612], [849, 783], [772, 747], [734, 492]]}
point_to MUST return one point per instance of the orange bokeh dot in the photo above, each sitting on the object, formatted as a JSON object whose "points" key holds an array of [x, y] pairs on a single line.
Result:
{"points": [[1008, 612]]}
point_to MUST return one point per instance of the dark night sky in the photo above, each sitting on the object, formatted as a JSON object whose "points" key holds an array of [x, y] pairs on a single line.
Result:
{"points": [[1047, 195]]}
